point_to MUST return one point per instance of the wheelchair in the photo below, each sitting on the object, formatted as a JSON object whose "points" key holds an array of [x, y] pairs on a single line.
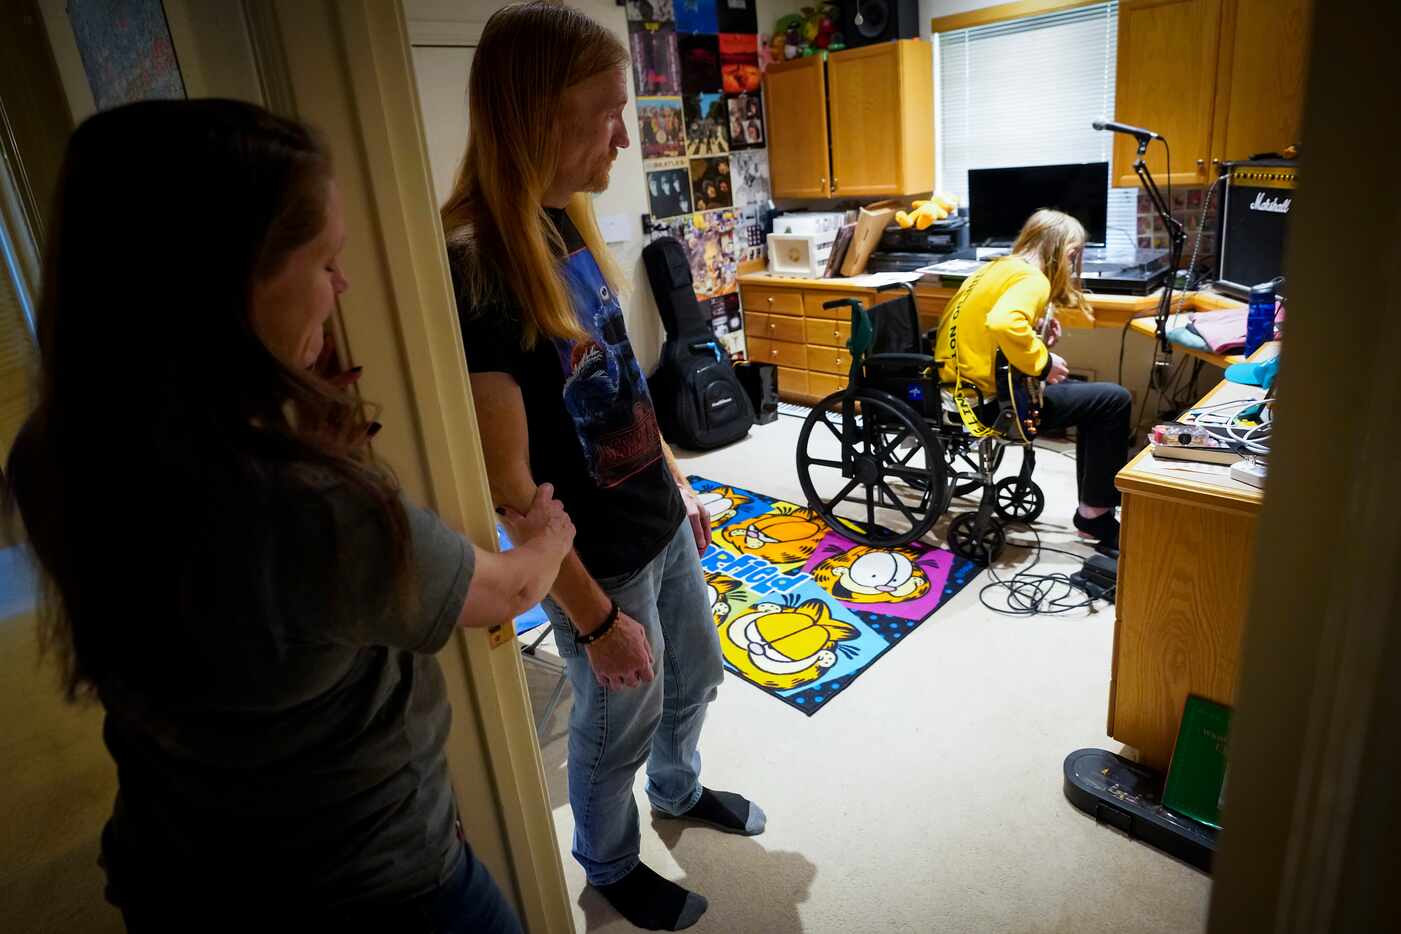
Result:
{"points": [[883, 459]]}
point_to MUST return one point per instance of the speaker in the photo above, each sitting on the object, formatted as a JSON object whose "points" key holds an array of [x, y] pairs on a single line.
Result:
{"points": [[1252, 222], [760, 382], [865, 22]]}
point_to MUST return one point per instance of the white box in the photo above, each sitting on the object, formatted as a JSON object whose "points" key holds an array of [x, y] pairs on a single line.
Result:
{"points": [[810, 223], [799, 254]]}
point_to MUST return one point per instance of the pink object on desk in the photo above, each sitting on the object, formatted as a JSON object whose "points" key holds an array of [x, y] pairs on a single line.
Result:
{"points": [[1223, 331]]}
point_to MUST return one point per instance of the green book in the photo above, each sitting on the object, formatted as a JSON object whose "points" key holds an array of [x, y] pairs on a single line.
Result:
{"points": [[1196, 781]]}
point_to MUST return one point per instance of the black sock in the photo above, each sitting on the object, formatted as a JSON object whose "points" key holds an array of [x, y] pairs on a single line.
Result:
{"points": [[727, 811], [648, 901]]}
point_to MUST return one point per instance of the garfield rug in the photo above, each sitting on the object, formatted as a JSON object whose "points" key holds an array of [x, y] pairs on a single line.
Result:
{"points": [[802, 611]]}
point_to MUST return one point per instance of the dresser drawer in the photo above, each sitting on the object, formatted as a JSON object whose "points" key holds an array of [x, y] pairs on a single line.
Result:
{"points": [[834, 360], [824, 384], [831, 333], [756, 324], [782, 328], [778, 301], [792, 382], [783, 353]]}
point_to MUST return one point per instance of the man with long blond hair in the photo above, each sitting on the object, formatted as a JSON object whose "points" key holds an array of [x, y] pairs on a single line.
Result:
{"points": [[560, 398], [999, 309]]}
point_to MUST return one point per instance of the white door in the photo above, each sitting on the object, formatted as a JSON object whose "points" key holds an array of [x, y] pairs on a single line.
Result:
{"points": [[441, 72]]}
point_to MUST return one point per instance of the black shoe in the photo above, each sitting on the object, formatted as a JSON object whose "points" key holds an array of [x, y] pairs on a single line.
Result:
{"points": [[1103, 528]]}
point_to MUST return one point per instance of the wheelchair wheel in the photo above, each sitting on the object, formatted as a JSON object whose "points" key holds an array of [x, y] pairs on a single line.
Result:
{"points": [[871, 467], [1018, 500], [966, 542]]}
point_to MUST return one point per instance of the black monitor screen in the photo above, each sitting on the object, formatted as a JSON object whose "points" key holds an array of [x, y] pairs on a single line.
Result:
{"points": [[1000, 200]]}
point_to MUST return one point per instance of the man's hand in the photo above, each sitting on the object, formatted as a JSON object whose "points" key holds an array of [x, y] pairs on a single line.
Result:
{"points": [[1059, 371], [698, 516], [623, 658], [1053, 333]]}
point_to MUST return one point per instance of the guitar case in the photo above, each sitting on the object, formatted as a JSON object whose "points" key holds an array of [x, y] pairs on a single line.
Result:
{"points": [[699, 400]]}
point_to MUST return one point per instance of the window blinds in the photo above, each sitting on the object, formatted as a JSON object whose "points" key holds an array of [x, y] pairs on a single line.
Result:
{"points": [[1024, 92]]}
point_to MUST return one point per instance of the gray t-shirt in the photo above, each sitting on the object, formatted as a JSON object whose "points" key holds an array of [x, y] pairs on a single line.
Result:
{"points": [[303, 758]]}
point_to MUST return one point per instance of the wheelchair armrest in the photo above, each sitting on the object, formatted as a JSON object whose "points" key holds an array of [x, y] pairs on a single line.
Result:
{"points": [[891, 286]]}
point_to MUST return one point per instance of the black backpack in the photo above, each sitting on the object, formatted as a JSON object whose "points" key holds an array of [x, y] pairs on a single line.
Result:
{"points": [[700, 403]]}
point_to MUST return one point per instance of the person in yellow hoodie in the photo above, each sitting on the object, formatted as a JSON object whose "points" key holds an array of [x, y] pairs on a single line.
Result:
{"points": [[1001, 308]]}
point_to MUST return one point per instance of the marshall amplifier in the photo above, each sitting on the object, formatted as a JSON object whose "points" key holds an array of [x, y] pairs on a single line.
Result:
{"points": [[1252, 221]]}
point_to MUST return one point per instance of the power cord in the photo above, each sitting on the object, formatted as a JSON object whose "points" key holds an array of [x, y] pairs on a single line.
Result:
{"points": [[1030, 594]]}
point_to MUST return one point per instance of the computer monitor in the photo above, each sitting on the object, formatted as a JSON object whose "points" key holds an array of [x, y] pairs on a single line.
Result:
{"points": [[1000, 200]]}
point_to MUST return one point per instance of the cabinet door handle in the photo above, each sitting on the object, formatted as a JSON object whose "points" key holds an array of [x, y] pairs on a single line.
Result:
{"points": [[770, 301], [834, 184], [822, 183], [1201, 164]]}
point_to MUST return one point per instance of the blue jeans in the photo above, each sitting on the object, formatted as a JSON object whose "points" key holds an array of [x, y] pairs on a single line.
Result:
{"points": [[612, 733]]}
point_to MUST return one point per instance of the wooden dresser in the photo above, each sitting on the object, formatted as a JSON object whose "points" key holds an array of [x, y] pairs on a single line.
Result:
{"points": [[785, 324]]}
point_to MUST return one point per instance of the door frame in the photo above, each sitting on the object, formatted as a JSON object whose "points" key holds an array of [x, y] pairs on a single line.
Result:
{"points": [[352, 78]]}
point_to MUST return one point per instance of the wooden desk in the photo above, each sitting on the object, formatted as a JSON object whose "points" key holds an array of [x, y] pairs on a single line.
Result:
{"points": [[785, 323], [1148, 328], [1186, 546]]}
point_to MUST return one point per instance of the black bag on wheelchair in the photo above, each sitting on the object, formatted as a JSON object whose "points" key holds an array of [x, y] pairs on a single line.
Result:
{"points": [[895, 329], [699, 401]]}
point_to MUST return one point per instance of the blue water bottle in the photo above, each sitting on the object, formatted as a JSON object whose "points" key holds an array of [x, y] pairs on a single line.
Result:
{"points": [[1260, 319]]}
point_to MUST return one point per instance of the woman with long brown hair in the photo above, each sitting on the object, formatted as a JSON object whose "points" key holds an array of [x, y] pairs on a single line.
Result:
{"points": [[230, 570], [1000, 308]]}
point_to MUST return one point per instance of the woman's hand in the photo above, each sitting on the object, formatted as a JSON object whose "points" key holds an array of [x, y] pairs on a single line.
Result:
{"points": [[1059, 371], [1053, 333], [546, 533]]}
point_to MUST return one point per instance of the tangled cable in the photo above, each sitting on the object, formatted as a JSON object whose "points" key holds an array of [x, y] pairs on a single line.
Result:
{"points": [[1030, 594]]}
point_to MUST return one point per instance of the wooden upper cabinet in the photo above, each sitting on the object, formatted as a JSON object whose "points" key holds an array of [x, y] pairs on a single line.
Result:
{"points": [[1261, 100], [881, 106], [795, 95], [1166, 82]]}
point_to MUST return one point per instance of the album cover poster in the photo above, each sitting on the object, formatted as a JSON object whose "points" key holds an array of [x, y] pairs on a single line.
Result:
{"points": [[724, 314], [649, 11], [737, 16], [661, 127], [700, 63], [745, 121], [739, 62], [707, 124], [669, 188], [711, 183], [696, 16], [749, 176], [710, 246], [656, 64]]}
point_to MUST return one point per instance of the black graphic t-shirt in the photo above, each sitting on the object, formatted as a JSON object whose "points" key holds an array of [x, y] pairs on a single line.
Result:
{"points": [[593, 431]]}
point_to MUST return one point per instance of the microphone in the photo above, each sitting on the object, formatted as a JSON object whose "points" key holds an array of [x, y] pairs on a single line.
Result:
{"points": [[1138, 132]]}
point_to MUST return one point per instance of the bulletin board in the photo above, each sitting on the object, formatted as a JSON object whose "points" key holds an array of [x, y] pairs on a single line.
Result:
{"points": [[697, 71]]}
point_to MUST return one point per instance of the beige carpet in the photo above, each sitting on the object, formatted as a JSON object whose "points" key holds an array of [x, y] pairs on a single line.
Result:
{"points": [[57, 793], [927, 798]]}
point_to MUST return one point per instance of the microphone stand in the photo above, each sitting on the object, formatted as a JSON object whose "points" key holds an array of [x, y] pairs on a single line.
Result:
{"points": [[1177, 239]]}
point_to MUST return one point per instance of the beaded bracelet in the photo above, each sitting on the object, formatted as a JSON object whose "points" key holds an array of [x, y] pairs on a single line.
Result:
{"points": [[602, 630]]}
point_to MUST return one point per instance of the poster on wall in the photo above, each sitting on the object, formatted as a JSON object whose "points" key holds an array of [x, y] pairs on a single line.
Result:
{"points": [[649, 11], [706, 124], [710, 245], [700, 63], [739, 62], [745, 121], [126, 51], [711, 183], [737, 16], [656, 64], [669, 188], [696, 16], [749, 175], [750, 241], [660, 127]]}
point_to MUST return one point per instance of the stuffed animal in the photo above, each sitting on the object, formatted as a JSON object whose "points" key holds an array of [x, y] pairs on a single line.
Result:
{"points": [[938, 207]]}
